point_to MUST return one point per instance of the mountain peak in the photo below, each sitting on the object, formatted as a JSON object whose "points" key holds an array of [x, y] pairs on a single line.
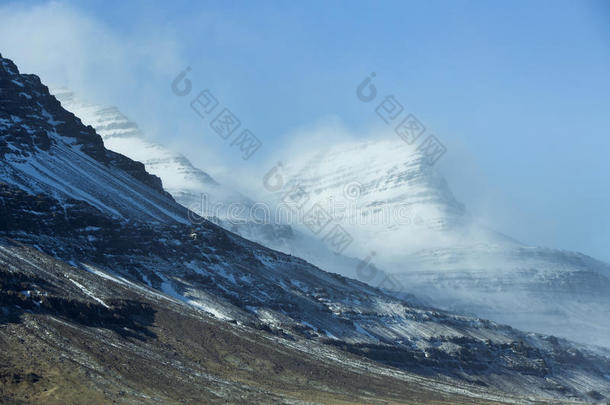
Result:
{"points": [[33, 122], [185, 182]]}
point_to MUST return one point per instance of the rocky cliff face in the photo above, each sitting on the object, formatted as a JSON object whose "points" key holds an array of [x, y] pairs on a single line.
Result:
{"points": [[31, 118], [189, 185]]}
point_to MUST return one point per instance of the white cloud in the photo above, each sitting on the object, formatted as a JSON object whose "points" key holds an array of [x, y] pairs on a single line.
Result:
{"points": [[66, 47]]}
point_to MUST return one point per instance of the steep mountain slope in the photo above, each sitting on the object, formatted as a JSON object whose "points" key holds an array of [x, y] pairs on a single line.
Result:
{"points": [[69, 335], [190, 186], [396, 205], [124, 232], [198, 191]]}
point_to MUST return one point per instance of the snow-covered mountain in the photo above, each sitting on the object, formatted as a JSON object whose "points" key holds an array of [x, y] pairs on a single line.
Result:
{"points": [[381, 188], [401, 212], [395, 204], [198, 191], [190, 186], [91, 244]]}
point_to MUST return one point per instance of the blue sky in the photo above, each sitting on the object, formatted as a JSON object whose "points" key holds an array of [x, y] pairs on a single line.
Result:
{"points": [[519, 91]]}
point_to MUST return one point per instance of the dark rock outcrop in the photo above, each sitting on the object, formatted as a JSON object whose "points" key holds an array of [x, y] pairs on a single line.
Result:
{"points": [[31, 119]]}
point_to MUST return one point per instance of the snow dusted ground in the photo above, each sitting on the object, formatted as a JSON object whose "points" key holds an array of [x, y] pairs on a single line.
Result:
{"points": [[46, 328], [66, 173]]}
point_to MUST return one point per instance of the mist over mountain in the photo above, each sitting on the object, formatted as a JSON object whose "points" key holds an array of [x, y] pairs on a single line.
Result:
{"points": [[402, 215], [395, 204], [105, 271]]}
